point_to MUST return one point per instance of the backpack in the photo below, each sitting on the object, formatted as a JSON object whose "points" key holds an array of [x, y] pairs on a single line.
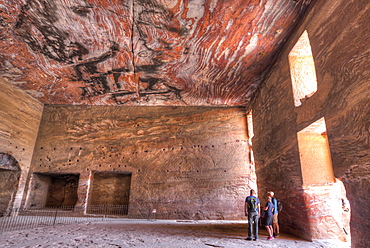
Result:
{"points": [[252, 203], [280, 205]]}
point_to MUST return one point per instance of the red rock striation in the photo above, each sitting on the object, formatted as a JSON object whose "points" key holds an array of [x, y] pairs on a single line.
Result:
{"points": [[148, 52]]}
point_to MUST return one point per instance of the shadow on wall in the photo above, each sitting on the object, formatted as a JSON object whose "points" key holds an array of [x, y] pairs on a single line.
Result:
{"points": [[9, 178]]}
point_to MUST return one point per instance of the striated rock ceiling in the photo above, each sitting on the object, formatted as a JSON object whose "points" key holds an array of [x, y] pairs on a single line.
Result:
{"points": [[143, 52]]}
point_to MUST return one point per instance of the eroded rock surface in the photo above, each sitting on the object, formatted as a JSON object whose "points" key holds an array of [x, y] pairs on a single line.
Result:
{"points": [[149, 52]]}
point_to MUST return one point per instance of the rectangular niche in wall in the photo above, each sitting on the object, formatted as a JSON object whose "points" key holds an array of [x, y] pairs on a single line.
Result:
{"points": [[53, 190], [109, 193]]}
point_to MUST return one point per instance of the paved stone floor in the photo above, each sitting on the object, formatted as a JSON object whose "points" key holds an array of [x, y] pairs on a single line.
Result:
{"points": [[151, 234]]}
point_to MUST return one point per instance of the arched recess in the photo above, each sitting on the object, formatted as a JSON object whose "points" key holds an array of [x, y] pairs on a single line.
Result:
{"points": [[9, 178]]}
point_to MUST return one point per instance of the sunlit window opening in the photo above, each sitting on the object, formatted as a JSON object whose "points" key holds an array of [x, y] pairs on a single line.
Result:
{"points": [[302, 70], [315, 155]]}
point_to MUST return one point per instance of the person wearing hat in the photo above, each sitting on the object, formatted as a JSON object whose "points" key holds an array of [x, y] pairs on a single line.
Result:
{"points": [[275, 222]]}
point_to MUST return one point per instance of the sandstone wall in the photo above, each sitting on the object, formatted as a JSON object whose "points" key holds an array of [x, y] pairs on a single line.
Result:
{"points": [[339, 33], [185, 162], [20, 115]]}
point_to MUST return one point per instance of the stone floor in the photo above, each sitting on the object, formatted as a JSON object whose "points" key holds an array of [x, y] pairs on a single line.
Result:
{"points": [[151, 234]]}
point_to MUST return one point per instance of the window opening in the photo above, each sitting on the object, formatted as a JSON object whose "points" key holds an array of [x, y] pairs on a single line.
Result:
{"points": [[315, 155], [302, 70]]}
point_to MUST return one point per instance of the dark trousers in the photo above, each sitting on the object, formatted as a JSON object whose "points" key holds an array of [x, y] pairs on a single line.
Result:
{"points": [[253, 219]]}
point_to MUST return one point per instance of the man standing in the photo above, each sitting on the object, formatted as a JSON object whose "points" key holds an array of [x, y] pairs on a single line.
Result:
{"points": [[275, 223], [252, 210]]}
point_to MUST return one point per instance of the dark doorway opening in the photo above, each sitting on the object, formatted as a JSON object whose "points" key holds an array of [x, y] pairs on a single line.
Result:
{"points": [[10, 173], [9, 180]]}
